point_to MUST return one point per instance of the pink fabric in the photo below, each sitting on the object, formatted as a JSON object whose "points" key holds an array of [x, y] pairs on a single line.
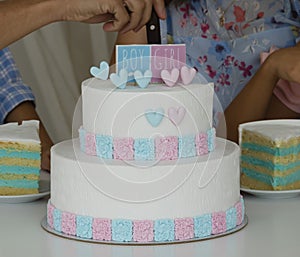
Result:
{"points": [[102, 229], [166, 148], [143, 231], [218, 223], [201, 144], [90, 144], [184, 228], [287, 92], [68, 223], [50, 210], [123, 148]]}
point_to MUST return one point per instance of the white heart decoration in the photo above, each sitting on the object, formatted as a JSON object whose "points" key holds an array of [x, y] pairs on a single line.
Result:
{"points": [[187, 74], [170, 78]]}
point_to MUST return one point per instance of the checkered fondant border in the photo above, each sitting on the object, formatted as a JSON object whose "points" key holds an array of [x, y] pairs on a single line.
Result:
{"points": [[159, 148], [161, 230]]}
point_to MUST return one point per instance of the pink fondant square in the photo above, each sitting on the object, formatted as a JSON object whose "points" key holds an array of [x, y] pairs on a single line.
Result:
{"points": [[68, 223], [90, 144], [143, 231], [218, 222], [102, 229], [50, 209], [123, 148], [184, 228], [166, 148], [201, 144], [239, 213]]}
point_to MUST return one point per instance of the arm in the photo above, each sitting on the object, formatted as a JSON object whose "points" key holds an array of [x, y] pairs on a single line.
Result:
{"points": [[17, 101], [256, 101], [26, 111], [20, 17]]}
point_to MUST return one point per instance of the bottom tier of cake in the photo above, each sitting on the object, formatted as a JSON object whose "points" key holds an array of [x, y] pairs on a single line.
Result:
{"points": [[135, 201]]}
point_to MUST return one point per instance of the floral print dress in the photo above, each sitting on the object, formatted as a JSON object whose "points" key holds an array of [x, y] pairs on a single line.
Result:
{"points": [[224, 38]]}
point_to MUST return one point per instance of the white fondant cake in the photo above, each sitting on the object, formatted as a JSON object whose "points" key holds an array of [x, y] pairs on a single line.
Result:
{"points": [[146, 167]]}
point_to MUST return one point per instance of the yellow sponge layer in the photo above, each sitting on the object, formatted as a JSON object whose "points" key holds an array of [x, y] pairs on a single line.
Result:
{"points": [[17, 191], [20, 162], [253, 137], [251, 183], [31, 147]]}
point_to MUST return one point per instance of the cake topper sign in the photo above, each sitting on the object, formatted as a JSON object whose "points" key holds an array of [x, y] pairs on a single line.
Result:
{"points": [[163, 57]]}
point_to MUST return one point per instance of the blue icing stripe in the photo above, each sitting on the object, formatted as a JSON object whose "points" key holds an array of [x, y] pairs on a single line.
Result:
{"points": [[20, 154], [19, 183], [270, 180], [274, 151], [6, 169], [268, 164]]}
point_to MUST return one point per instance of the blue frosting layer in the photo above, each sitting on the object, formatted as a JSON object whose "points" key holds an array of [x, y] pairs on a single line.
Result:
{"points": [[20, 154], [19, 183], [274, 151], [269, 165], [5, 169], [270, 180]]}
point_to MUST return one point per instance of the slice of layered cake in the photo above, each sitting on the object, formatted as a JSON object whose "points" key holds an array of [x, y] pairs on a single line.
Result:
{"points": [[270, 155], [20, 158]]}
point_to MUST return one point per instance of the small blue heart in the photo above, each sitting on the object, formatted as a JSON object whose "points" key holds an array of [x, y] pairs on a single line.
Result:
{"points": [[154, 117], [143, 80], [119, 80], [102, 72]]}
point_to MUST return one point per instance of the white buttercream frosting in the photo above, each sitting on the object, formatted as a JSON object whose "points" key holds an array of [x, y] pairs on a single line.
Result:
{"points": [[121, 112], [27, 132], [87, 185], [276, 130]]}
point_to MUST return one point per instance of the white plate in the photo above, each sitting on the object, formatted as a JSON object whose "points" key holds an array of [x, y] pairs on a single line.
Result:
{"points": [[45, 226], [44, 190], [272, 194]]}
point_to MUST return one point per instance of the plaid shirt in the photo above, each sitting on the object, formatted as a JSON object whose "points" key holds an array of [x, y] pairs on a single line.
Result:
{"points": [[13, 91]]}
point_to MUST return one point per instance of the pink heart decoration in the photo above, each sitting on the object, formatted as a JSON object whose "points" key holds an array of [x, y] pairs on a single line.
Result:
{"points": [[176, 114], [170, 78], [187, 75]]}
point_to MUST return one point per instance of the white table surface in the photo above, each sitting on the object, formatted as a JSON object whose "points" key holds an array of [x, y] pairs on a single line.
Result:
{"points": [[273, 230]]}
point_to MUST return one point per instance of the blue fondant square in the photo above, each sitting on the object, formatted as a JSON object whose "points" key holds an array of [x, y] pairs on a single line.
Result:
{"points": [[57, 220], [211, 138], [186, 146], [104, 146], [164, 230], [144, 149], [84, 226], [203, 225], [122, 230], [231, 218]]}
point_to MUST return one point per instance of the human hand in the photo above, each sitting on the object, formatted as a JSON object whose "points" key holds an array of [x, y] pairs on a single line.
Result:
{"points": [[284, 63], [46, 144], [117, 15]]}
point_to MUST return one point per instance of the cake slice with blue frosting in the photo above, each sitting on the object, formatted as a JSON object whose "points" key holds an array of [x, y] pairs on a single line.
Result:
{"points": [[20, 158], [270, 155]]}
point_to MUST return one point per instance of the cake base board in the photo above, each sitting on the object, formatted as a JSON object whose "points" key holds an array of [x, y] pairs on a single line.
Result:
{"points": [[47, 228]]}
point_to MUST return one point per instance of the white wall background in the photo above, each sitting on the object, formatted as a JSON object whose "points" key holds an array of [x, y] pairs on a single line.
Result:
{"points": [[53, 61]]}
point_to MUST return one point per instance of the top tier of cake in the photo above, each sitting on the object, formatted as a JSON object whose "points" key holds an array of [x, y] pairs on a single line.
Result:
{"points": [[154, 111]]}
